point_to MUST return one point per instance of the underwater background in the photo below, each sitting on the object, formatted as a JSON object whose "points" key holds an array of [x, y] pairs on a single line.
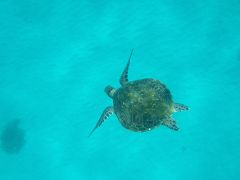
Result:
{"points": [[56, 57]]}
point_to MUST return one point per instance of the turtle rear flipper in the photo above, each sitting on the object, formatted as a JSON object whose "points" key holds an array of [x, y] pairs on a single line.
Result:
{"points": [[180, 107], [170, 123], [105, 115], [124, 76]]}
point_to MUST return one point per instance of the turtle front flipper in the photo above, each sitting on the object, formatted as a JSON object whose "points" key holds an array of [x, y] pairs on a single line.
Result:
{"points": [[124, 76], [105, 115], [180, 107], [170, 123]]}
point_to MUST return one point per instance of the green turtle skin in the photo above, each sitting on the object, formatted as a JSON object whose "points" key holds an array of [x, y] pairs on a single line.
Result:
{"points": [[142, 105]]}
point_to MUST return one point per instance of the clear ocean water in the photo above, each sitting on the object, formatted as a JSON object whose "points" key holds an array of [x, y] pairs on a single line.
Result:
{"points": [[56, 57]]}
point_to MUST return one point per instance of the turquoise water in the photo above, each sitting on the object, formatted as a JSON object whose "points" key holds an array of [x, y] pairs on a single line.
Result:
{"points": [[56, 57]]}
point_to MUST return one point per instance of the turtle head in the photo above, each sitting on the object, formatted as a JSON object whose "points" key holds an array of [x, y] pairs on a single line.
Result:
{"points": [[109, 90]]}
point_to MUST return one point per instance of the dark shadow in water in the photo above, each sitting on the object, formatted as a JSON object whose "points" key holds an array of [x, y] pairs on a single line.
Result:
{"points": [[12, 137]]}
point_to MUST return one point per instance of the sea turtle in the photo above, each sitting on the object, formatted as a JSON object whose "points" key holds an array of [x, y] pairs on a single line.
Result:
{"points": [[141, 105]]}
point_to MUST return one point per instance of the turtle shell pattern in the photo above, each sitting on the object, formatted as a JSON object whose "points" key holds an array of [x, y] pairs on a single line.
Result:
{"points": [[142, 105]]}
